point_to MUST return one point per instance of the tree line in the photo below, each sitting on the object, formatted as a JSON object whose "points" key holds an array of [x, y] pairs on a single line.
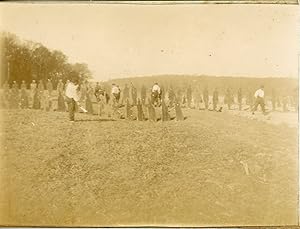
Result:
{"points": [[28, 60]]}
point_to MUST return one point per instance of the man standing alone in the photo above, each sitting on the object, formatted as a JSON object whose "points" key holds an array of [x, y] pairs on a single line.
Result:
{"points": [[72, 96]]}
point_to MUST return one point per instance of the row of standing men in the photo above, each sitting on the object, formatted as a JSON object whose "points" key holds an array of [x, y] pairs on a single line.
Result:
{"points": [[40, 96]]}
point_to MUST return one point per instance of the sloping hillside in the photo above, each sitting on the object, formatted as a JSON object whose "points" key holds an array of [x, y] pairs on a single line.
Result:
{"points": [[211, 169]]}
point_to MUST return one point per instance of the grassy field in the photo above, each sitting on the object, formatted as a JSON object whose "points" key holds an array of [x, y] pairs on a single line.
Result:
{"points": [[211, 169]]}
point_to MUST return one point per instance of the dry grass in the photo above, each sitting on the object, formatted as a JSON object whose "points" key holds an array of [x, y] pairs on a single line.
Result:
{"points": [[97, 172]]}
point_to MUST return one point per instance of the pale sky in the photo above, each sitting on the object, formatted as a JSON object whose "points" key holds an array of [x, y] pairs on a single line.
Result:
{"points": [[135, 40]]}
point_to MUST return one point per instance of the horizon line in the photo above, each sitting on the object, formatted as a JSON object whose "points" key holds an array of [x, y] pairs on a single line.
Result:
{"points": [[195, 75]]}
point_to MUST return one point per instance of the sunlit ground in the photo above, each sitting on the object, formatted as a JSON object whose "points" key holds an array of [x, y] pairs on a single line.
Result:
{"points": [[211, 169]]}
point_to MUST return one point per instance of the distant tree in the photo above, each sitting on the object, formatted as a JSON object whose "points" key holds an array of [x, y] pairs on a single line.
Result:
{"points": [[28, 60], [83, 70]]}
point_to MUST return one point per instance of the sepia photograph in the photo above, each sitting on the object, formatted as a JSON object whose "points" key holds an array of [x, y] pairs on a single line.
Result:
{"points": [[138, 114]]}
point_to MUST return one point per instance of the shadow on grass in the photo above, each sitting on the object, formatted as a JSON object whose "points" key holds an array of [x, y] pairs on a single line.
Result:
{"points": [[95, 120], [109, 119], [172, 118]]}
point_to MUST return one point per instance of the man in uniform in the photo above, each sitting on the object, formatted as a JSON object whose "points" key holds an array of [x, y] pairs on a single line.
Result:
{"points": [[178, 95], [41, 86], [285, 99], [33, 90], [24, 97], [296, 98], [143, 94], [48, 96], [229, 98], [197, 97], [240, 98], [6, 95], [15, 95], [189, 96], [133, 94], [41, 92], [119, 95], [114, 102], [215, 99], [171, 96], [88, 101], [23, 85], [60, 100], [97, 88], [162, 92], [49, 87], [100, 97], [60, 87], [249, 100], [205, 97], [273, 99], [125, 94], [83, 91]]}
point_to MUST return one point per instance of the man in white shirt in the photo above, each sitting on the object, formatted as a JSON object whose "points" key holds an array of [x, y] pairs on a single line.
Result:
{"points": [[259, 100], [156, 95], [114, 89], [33, 86], [72, 97], [116, 92], [156, 88], [260, 92]]}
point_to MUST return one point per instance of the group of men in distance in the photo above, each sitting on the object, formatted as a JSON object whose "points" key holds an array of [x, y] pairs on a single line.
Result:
{"points": [[252, 99], [70, 96], [131, 94], [39, 96], [103, 97], [75, 94], [170, 97]]}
